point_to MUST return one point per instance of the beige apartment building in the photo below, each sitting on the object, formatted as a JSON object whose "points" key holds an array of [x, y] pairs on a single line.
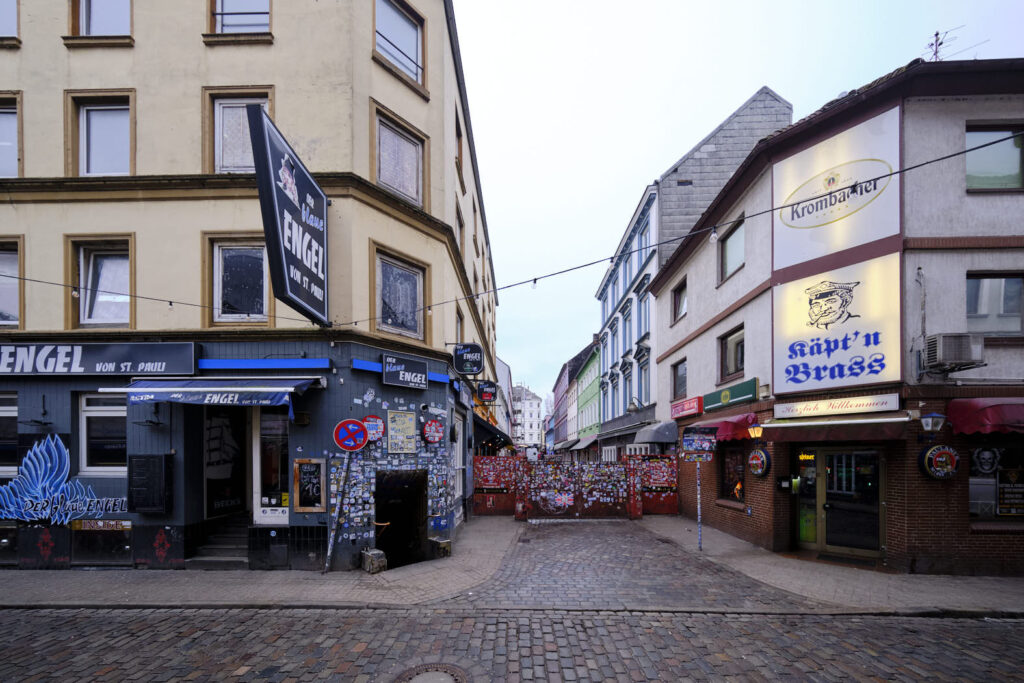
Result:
{"points": [[143, 354]]}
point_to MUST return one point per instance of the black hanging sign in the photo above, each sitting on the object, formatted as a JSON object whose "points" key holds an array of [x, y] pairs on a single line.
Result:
{"points": [[294, 219], [404, 372], [469, 359], [486, 392]]}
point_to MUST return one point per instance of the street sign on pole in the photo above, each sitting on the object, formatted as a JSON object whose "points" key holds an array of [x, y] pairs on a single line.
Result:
{"points": [[350, 435]]}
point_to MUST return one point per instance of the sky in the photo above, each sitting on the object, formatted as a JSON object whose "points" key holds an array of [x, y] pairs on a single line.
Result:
{"points": [[576, 106]]}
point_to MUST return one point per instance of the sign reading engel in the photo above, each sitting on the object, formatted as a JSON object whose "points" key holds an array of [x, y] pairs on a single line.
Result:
{"points": [[169, 358], [404, 372], [41, 489], [294, 219], [837, 194], [840, 328]]}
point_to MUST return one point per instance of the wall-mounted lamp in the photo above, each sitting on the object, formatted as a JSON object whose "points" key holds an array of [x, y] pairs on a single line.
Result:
{"points": [[634, 406], [755, 430], [932, 424]]}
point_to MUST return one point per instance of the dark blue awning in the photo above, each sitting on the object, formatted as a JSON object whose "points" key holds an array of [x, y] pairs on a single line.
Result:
{"points": [[216, 391]]}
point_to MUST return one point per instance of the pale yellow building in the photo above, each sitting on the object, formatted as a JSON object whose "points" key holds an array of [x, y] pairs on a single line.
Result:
{"points": [[131, 215]]}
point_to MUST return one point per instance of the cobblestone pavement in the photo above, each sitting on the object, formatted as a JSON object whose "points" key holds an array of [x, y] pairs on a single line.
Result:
{"points": [[493, 645], [614, 565]]}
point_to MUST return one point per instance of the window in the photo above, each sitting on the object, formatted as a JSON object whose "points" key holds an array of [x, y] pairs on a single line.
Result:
{"points": [[679, 380], [730, 255], [105, 140], [9, 459], [605, 362], [994, 304], [399, 289], [615, 398], [241, 16], [10, 286], [104, 284], [103, 434], [999, 166], [643, 383], [232, 146], [627, 332], [399, 161], [10, 138], [679, 301], [460, 325], [731, 475], [240, 292], [8, 18], [615, 289], [995, 474], [643, 246], [730, 351], [102, 17], [627, 391], [614, 332], [643, 316], [627, 268], [400, 38], [458, 153]]}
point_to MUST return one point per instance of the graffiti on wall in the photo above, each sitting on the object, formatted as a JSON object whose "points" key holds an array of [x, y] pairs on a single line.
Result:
{"points": [[41, 491]]}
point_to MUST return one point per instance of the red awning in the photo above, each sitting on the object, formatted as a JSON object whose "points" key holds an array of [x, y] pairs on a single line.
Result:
{"points": [[986, 415], [730, 428]]}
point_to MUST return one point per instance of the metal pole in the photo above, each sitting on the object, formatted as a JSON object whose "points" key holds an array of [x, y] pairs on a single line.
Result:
{"points": [[700, 546], [333, 536]]}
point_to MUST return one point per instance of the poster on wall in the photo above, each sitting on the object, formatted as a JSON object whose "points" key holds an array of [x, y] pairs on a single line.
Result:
{"points": [[401, 431], [839, 328], [837, 194]]}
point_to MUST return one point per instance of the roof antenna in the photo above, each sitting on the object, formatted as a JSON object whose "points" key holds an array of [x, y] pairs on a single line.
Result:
{"points": [[939, 41]]}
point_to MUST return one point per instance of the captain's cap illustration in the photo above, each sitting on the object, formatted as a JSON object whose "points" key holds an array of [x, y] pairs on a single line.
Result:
{"points": [[827, 288]]}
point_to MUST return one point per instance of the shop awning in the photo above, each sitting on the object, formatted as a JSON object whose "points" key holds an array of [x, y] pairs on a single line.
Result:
{"points": [[662, 432], [986, 415], [563, 445], [218, 391], [485, 432], [871, 427], [730, 428], [619, 431], [584, 443]]}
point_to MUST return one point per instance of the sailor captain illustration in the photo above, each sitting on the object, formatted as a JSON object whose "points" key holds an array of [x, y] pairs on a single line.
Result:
{"points": [[829, 302]]}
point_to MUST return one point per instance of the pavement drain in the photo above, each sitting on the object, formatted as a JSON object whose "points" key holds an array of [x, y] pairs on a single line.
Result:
{"points": [[433, 673]]}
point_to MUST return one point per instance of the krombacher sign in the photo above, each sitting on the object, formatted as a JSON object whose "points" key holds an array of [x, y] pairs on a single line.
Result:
{"points": [[744, 392]]}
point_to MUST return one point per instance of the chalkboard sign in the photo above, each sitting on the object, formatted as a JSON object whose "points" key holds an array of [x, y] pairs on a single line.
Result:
{"points": [[149, 484], [309, 490]]}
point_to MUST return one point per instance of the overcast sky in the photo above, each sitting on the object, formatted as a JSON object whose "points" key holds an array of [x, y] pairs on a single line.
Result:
{"points": [[576, 106]]}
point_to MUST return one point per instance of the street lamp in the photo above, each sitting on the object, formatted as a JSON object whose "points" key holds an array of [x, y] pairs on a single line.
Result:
{"points": [[755, 430], [634, 406], [931, 423]]}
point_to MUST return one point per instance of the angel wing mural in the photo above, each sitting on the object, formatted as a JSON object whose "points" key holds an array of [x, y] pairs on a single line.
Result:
{"points": [[41, 490]]}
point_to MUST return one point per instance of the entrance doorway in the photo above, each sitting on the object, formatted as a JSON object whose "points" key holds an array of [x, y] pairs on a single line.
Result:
{"points": [[400, 500], [225, 456], [838, 496]]}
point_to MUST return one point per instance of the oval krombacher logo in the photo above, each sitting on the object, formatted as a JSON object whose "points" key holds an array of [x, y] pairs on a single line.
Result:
{"points": [[725, 396], [832, 195]]}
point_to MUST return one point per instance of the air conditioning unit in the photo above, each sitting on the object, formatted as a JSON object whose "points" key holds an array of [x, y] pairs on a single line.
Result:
{"points": [[951, 350]]}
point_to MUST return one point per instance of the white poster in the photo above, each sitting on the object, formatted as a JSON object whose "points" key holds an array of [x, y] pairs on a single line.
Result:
{"points": [[838, 193], [840, 328]]}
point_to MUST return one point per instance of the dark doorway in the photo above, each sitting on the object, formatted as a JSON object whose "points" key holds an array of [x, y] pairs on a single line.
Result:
{"points": [[401, 504]]}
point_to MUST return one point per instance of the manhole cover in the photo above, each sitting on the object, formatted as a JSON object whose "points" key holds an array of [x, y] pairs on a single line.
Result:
{"points": [[433, 673]]}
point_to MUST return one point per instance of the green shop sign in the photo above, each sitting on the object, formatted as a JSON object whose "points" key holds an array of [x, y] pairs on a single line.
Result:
{"points": [[743, 392]]}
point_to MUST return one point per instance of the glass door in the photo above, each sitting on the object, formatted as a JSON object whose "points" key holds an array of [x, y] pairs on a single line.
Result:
{"points": [[806, 486], [851, 497]]}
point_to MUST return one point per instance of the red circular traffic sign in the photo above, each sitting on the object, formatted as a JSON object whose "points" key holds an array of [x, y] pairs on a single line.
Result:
{"points": [[433, 431], [350, 435]]}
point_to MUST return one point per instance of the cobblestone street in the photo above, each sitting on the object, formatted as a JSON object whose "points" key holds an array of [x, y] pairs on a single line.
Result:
{"points": [[595, 601]]}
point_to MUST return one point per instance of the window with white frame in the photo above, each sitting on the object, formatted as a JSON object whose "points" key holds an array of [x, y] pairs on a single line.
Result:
{"points": [[10, 290], [627, 268], [614, 333], [730, 353], [104, 284], [995, 303], [627, 331], [104, 138], [9, 141], [232, 146], [9, 459], [240, 292], [731, 251], [615, 399], [643, 318], [103, 434], [399, 161], [643, 383], [627, 391], [104, 17], [400, 37], [643, 246], [609, 453], [8, 18], [399, 297], [679, 301], [241, 16]]}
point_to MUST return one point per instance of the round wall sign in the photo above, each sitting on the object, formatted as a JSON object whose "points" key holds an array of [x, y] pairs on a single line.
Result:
{"points": [[433, 431], [374, 427], [759, 462], [350, 435], [939, 462]]}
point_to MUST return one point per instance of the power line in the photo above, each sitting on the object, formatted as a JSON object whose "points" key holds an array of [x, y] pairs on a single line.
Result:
{"points": [[533, 280]]}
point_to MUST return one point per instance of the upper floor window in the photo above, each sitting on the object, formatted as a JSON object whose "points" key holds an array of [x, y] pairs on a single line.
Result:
{"points": [[232, 146], [643, 383], [101, 125], [679, 301], [730, 352], [614, 334], [9, 459], [627, 270], [399, 160], [999, 166], [10, 286], [643, 318], [240, 292], [643, 246], [627, 332], [730, 251], [10, 147], [615, 290], [8, 18], [103, 17], [103, 434], [241, 16], [104, 284], [679, 379], [994, 304], [399, 288], [400, 37]]}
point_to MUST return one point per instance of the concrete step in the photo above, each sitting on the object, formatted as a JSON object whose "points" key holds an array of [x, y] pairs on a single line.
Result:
{"points": [[223, 550], [214, 562]]}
